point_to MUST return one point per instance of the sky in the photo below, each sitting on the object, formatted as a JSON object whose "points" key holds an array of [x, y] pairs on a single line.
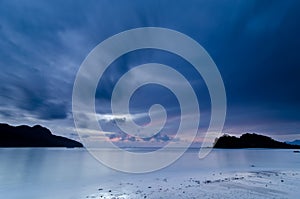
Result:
{"points": [[255, 45]]}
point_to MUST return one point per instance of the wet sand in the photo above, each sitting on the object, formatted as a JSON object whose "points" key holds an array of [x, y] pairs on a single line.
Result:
{"points": [[254, 184]]}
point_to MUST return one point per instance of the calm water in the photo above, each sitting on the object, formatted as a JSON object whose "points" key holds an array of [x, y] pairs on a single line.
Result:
{"points": [[73, 173]]}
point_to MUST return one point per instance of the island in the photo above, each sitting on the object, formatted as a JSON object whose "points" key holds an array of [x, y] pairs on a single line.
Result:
{"points": [[36, 136], [295, 142], [249, 140]]}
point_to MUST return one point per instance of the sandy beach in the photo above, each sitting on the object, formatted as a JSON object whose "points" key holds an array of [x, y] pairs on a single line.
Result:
{"points": [[256, 184]]}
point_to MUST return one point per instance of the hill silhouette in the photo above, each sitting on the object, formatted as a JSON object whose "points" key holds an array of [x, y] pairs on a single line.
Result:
{"points": [[36, 136], [295, 142], [251, 141]]}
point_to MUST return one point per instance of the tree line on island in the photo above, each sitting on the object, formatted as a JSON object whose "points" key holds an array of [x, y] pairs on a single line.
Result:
{"points": [[36, 136], [251, 141]]}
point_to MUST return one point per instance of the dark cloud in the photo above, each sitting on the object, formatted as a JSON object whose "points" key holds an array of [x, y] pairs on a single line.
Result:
{"points": [[163, 138], [255, 45], [35, 97]]}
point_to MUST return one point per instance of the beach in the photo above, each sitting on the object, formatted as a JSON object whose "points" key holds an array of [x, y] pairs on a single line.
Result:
{"points": [[259, 184]]}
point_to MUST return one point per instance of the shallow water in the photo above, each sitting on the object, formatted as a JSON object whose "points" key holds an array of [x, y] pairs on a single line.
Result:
{"points": [[72, 173]]}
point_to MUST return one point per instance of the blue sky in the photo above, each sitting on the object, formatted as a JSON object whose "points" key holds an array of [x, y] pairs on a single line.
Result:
{"points": [[255, 45]]}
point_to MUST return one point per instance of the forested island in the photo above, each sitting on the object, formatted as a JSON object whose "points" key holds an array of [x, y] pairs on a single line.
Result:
{"points": [[36, 136], [251, 141]]}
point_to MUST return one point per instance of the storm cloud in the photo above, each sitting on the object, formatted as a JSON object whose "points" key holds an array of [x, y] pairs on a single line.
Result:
{"points": [[255, 45]]}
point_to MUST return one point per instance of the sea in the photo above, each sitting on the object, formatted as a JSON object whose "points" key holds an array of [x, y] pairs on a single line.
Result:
{"points": [[54, 173]]}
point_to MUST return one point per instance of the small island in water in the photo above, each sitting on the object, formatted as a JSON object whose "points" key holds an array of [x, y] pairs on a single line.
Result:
{"points": [[251, 141], [36, 136]]}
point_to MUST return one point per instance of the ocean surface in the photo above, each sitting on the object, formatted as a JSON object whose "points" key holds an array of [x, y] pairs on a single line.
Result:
{"points": [[55, 173]]}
